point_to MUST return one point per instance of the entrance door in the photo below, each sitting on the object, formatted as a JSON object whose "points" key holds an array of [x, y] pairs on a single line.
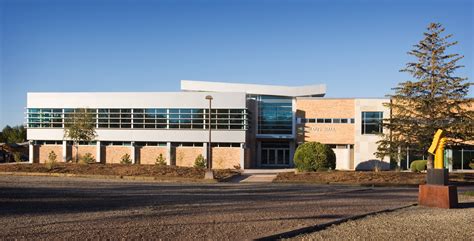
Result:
{"points": [[275, 154]]}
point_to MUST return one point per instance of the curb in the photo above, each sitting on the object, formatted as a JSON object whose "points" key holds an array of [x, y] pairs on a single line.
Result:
{"points": [[349, 184], [113, 177], [319, 227]]}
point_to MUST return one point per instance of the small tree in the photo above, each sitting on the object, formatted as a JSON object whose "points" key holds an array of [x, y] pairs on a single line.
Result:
{"points": [[200, 162], [17, 156], [87, 158], [52, 160], [126, 159], [160, 160], [80, 126]]}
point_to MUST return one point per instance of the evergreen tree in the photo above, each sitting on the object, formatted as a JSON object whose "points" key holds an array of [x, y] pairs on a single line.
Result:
{"points": [[16, 134], [435, 99]]}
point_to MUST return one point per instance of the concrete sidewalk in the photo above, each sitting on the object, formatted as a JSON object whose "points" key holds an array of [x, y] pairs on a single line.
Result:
{"points": [[259, 175]]}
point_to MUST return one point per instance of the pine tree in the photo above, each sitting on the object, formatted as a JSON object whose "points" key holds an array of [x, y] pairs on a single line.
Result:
{"points": [[435, 99]]}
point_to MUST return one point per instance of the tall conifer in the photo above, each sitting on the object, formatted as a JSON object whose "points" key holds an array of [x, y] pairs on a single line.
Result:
{"points": [[435, 99]]}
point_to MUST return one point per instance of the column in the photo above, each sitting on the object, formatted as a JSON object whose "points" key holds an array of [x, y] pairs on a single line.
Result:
{"points": [[242, 156], [64, 151], [97, 152], [204, 150], [132, 152], [168, 153], [31, 151], [292, 153], [348, 157]]}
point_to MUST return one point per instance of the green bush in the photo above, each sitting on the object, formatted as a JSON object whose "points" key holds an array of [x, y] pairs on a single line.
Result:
{"points": [[87, 158], [418, 165], [314, 156], [126, 159], [200, 162], [160, 160]]}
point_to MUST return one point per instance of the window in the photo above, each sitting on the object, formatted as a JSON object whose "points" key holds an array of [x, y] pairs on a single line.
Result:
{"points": [[275, 115], [224, 119], [372, 122], [327, 120]]}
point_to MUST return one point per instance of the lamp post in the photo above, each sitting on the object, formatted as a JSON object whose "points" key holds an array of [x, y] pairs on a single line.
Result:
{"points": [[209, 173]]}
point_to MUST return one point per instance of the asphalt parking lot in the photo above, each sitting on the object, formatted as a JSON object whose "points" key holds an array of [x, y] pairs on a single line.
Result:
{"points": [[64, 208]]}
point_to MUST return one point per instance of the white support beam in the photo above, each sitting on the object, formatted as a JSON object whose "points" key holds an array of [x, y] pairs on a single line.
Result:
{"points": [[132, 153], [31, 152], [98, 152], [204, 150], [242, 156], [64, 152], [168, 153]]}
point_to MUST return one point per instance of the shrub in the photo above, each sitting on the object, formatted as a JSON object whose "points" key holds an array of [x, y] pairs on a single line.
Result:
{"points": [[52, 160], [200, 162], [87, 158], [160, 160], [418, 165], [126, 159], [469, 193], [314, 156], [17, 156]]}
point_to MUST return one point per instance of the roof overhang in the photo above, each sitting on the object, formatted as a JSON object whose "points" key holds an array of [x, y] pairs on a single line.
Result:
{"points": [[277, 90]]}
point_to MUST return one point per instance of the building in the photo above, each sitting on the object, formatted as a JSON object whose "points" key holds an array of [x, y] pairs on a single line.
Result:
{"points": [[253, 126]]}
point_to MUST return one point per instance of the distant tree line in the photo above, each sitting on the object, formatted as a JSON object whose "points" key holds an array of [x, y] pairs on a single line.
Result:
{"points": [[16, 134]]}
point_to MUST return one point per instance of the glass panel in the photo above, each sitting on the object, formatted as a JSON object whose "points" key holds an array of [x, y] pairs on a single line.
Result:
{"points": [[287, 157], [264, 156], [272, 110], [372, 122], [280, 156], [271, 156]]}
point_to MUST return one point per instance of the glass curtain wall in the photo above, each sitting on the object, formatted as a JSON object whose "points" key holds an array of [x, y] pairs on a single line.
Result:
{"points": [[224, 119], [275, 115]]}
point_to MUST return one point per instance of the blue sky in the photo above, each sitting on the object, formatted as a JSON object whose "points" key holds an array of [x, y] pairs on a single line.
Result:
{"points": [[354, 47]]}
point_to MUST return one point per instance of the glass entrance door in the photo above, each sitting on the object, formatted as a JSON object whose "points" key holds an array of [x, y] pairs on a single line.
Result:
{"points": [[275, 154]]}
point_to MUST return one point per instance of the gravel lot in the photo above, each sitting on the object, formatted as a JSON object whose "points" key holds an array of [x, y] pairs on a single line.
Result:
{"points": [[65, 208], [413, 223]]}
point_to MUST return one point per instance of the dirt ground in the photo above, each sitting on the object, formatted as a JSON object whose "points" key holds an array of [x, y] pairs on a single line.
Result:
{"points": [[68, 208], [413, 223], [369, 178], [118, 170]]}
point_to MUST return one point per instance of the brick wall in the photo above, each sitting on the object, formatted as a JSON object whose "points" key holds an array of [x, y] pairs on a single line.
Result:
{"points": [[326, 108], [185, 156], [329, 133], [44, 150], [225, 157], [82, 150], [148, 154], [113, 154]]}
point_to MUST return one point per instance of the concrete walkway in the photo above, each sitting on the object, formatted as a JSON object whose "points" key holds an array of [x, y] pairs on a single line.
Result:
{"points": [[257, 178], [259, 175]]}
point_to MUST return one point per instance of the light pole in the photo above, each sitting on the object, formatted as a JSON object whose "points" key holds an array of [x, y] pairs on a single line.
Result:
{"points": [[209, 173]]}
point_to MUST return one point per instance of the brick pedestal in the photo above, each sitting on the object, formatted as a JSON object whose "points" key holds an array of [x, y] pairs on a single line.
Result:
{"points": [[439, 196]]}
